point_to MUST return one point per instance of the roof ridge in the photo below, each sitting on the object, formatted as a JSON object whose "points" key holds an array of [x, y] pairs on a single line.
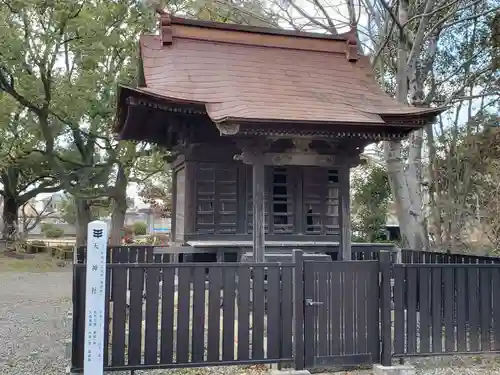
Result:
{"points": [[177, 27], [168, 19]]}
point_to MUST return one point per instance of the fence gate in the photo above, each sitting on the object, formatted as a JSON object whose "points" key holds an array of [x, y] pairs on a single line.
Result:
{"points": [[341, 313]]}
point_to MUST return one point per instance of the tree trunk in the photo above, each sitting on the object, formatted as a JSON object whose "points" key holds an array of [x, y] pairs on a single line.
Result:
{"points": [[83, 218], [405, 184], [10, 217], [119, 207]]}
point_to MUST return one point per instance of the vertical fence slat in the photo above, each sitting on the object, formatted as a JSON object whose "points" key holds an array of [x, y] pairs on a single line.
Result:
{"points": [[486, 307], [411, 315], [348, 307], [424, 309], [472, 301], [286, 312], [109, 276], [360, 277], [437, 318], [495, 278], [107, 303], [141, 255], [449, 309], [149, 255], [273, 312], [328, 304], [198, 331], [79, 280], [136, 276], [298, 309], [460, 280], [258, 298], [384, 304], [119, 316], [373, 319], [151, 329], [316, 309], [335, 318], [213, 319], [132, 253], [228, 314], [183, 314], [399, 312], [167, 315], [309, 314], [322, 290], [243, 312]]}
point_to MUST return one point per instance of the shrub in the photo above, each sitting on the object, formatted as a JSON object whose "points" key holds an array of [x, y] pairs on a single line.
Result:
{"points": [[44, 227], [140, 228], [54, 232]]}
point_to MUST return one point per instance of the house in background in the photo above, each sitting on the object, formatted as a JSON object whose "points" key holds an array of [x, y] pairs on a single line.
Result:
{"points": [[392, 230], [47, 210], [156, 223]]}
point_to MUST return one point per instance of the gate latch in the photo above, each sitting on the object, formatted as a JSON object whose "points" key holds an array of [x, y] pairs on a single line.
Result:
{"points": [[310, 302]]}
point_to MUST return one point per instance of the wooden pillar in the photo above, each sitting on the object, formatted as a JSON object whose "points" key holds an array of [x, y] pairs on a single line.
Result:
{"points": [[258, 209], [253, 153], [345, 212]]}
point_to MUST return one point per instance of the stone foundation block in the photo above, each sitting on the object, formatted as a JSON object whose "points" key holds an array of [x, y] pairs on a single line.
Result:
{"points": [[290, 372], [393, 370]]}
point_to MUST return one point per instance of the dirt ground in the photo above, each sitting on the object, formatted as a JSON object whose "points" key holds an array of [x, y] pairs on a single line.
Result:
{"points": [[33, 263], [35, 296]]}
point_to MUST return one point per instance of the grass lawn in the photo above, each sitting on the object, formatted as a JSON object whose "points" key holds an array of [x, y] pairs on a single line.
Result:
{"points": [[19, 262]]}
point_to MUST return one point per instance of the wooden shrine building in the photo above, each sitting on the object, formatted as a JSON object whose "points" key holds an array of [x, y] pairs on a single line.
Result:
{"points": [[264, 125]]}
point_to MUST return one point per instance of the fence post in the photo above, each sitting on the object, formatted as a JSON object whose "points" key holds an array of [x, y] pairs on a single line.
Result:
{"points": [[385, 307], [76, 301], [298, 303], [399, 255]]}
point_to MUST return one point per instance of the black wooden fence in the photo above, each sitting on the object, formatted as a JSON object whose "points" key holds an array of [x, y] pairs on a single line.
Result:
{"points": [[446, 309], [150, 254], [128, 254], [178, 315], [308, 313], [158, 254], [409, 256]]}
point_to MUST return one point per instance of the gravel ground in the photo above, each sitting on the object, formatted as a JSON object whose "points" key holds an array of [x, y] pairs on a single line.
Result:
{"points": [[472, 365], [32, 324]]}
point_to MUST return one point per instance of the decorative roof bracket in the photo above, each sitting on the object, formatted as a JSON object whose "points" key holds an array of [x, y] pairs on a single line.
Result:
{"points": [[228, 128], [352, 44], [166, 29]]}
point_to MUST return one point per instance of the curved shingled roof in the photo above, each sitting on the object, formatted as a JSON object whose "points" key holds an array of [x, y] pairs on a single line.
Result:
{"points": [[255, 74]]}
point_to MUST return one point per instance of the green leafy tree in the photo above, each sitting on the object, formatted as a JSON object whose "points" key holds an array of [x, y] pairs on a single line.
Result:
{"points": [[68, 210], [24, 172], [62, 65], [370, 202]]}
